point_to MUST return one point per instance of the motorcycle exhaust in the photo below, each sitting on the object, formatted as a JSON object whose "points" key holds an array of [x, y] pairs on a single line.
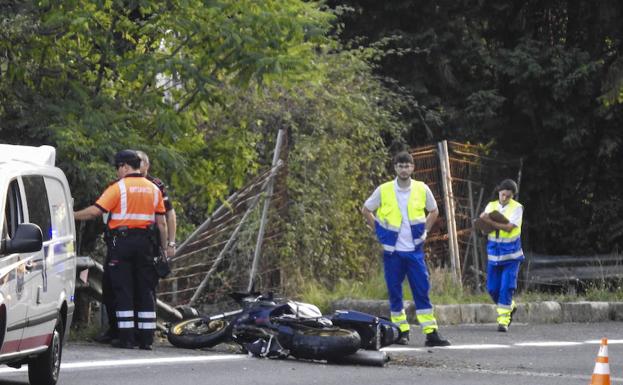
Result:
{"points": [[363, 357]]}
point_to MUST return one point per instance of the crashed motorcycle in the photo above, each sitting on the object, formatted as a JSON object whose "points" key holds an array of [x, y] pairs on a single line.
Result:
{"points": [[276, 328]]}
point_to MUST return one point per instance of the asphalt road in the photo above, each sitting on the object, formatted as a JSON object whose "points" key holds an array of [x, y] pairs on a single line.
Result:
{"points": [[529, 354]]}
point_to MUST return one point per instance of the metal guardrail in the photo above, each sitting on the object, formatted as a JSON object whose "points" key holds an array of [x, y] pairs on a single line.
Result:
{"points": [[93, 284], [570, 270]]}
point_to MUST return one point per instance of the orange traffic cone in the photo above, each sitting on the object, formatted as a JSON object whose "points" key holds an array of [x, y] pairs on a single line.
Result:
{"points": [[601, 373]]}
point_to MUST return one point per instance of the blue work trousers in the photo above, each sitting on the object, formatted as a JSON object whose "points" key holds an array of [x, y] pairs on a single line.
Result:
{"points": [[502, 281], [411, 264]]}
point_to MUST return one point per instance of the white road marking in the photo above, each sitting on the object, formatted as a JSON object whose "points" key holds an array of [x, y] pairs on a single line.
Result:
{"points": [[151, 361], [477, 347], [229, 357], [402, 349], [137, 362], [549, 343], [539, 344]]}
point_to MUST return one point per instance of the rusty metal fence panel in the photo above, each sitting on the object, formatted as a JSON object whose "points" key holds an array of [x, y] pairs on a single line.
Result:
{"points": [[475, 171]]}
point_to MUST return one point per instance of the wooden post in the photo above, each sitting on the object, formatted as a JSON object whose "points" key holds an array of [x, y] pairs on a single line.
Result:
{"points": [[446, 179], [269, 194], [474, 236]]}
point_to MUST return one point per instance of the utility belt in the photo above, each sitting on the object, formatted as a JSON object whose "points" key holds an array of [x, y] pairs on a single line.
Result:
{"points": [[125, 231]]}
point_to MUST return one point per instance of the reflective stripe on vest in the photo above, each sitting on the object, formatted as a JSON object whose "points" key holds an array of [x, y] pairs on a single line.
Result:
{"points": [[504, 245], [135, 189], [389, 217]]}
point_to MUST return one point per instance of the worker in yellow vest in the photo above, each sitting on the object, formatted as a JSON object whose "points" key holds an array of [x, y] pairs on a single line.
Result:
{"points": [[504, 252], [401, 224]]}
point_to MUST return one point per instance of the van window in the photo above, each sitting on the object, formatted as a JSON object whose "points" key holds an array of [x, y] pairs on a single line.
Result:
{"points": [[37, 203], [58, 208], [13, 212]]}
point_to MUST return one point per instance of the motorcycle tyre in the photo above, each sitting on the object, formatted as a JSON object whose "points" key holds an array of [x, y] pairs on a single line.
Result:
{"points": [[189, 338], [322, 344]]}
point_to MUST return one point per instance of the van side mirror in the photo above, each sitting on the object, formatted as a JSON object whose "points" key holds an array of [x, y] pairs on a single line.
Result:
{"points": [[27, 239]]}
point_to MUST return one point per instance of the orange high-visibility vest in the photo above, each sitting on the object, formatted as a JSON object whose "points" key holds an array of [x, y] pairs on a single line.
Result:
{"points": [[132, 202]]}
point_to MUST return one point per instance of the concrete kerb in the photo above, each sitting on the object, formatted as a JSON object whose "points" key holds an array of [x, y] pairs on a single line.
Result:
{"points": [[533, 312]]}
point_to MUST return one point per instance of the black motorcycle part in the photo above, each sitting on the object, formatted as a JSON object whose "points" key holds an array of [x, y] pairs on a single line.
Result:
{"points": [[369, 331], [187, 312], [320, 343], [375, 332], [198, 333], [266, 348], [390, 332], [364, 358]]}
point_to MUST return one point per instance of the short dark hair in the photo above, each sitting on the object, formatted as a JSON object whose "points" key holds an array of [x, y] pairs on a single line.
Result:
{"points": [[129, 157], [508, 184], [403, 157]]}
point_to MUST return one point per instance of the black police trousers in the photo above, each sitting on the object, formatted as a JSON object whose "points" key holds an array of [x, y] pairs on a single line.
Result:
{"points": [[133, 280], [108, 299]]}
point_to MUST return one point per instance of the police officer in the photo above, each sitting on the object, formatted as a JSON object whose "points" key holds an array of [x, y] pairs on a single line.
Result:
{"points": [[134, 204], [401, 225], [170, 216], [112, 332], [504, 252]]}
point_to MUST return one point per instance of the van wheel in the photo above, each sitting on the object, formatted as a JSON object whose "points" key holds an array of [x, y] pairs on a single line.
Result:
{"points": [[44, 369]]}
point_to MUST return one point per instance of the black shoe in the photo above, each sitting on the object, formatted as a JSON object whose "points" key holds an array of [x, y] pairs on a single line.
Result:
{"points": [[105, 337], [435, 339], [122, 344], [511, 320], [502, 328], [145, 347], [403, 339]]}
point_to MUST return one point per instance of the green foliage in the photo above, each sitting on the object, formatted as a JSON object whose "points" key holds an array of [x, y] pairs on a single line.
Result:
{"points": [[335, 157], [335, 161], [203, 87], [92, 77], [372, 287], [539, 80]]}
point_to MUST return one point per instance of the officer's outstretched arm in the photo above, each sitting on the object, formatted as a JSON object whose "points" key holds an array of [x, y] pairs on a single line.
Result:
{"points": [[90, 212], [162, 228], [171, 220]]}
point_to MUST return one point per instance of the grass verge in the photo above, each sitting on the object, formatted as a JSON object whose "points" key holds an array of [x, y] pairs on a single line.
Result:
{"points": [[445, 291]]}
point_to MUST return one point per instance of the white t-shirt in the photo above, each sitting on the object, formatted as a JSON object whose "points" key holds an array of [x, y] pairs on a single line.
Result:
{"points": [[405, 238]]}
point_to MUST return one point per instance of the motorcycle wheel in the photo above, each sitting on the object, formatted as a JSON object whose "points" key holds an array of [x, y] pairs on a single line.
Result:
{"points": [[198, 333], [322, 343]]}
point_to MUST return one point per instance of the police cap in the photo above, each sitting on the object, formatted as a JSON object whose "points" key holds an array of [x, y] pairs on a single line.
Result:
{"points": [[127, 157]]}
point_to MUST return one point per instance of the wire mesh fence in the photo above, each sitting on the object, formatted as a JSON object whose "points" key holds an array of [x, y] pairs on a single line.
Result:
{"points": [[217, 258], [474, 173]]}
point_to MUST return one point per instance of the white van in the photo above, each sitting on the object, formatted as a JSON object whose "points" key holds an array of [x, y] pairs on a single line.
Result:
{"points": [[37, 261]]}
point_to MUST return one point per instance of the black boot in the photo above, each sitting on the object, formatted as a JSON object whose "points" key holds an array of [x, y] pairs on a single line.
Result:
{"points": [[403, 338], [106, 337], [435, 339], [122, 344], [511, 319]]}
